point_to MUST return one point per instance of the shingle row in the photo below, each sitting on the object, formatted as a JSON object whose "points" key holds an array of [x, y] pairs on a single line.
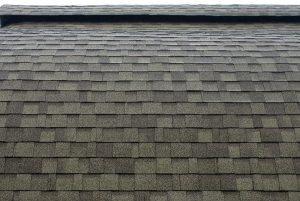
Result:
{"points": [[144, 96], [95, 195], [230, 110], [126, 74], [186, 150], [150, 121], [266, 72], [154, 86], [195, 166], [149, 182], [154, 60], [158, 135], [148, 38], [61, 49], [68, 54]]}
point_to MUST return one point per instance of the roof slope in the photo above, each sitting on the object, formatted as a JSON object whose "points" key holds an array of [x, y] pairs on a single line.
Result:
{"points": [[150, 111]]}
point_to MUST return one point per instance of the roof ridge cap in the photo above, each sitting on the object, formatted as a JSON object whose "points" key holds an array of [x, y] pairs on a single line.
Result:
{"points": [[167, 12]]}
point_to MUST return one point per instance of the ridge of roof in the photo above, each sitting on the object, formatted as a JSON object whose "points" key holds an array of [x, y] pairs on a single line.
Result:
{"points": [[187, 9], [175, 13]]}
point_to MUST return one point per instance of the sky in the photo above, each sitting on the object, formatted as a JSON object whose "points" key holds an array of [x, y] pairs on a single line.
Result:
{"points": [[106, 2]]}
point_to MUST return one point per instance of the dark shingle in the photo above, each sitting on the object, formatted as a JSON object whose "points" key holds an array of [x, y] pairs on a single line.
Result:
{"points": [[248, 149], [24, 149], [181, 150], [67, 165], [228, 182], [145, 166], [14, 108], [288, 182], [225, 165], [39, 182], [284, 165], [62, 149], [64, 182], [267, 166], [268, 150], [104, 150], [147, 150], [163, 149], [125, 165], [164, 165], [209, 182], [270, 182], [189, 182], [44, 149], [217, 150], [126, 182], [96, 165], [78, 149], [122, 149], [145, 182], [206, 166], [244, 182], [180, 165], [13, 121], [11, 165], [241, 166], [199, 150], [29, 168], [49, 165], [164, 182], [289, 149]]}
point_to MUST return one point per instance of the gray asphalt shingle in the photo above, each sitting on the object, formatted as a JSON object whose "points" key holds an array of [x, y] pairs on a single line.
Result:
{"points": [[150, 111]]}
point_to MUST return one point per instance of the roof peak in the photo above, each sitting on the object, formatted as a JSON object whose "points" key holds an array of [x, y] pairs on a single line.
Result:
{"points": [[184, 9], [174, 13]]}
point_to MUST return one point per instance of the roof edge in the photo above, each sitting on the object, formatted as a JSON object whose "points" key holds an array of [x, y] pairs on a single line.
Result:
{"points": [[150, 13], [11, 19]]}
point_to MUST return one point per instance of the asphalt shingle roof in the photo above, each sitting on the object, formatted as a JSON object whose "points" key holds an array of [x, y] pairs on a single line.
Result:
{"points": [[149, 111]]}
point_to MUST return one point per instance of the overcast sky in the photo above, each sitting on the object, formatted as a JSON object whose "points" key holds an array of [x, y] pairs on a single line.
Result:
{"points": [[99, 2]]}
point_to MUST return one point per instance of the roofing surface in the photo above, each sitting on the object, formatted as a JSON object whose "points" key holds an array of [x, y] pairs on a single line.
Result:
{"points": [[150, 111]]}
